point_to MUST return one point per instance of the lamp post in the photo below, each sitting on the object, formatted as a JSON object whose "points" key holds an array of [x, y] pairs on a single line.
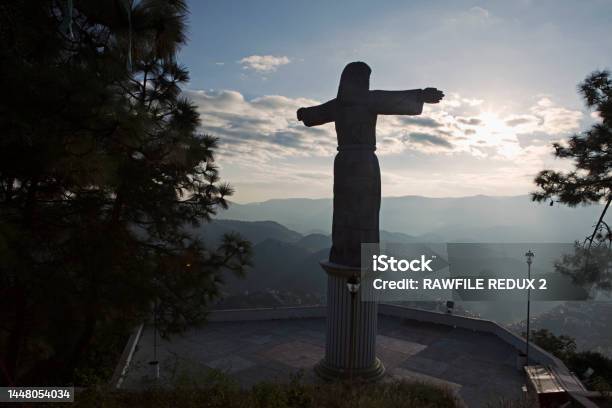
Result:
{"points": [[352, 285], [529, 255], [155, 363]]}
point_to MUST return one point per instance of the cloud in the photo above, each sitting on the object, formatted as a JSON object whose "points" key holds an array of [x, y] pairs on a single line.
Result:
{"points": [[262, 129], [420, 121], [479, 12], [263, 63], [519, 120], [267, 128], [262, 136], [555, 119], [470, 121], [428, 139], [472, 101], [475, 17]]}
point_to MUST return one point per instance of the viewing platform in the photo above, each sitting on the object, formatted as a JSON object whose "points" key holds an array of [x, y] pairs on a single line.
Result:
{"points": [[475, 358]]}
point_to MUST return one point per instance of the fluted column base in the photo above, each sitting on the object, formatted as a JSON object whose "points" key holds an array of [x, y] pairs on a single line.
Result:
{"points": [[329, 373], [350, 341]]}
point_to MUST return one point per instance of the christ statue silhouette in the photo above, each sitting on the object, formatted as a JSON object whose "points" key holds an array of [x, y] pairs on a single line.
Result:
{"points": [[356, 169]]}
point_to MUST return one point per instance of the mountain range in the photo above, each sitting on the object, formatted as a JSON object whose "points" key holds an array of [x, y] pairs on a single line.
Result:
{"points": [[282, 258], [425, 219]]}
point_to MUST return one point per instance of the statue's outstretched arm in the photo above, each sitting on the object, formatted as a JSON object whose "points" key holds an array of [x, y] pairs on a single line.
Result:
{"points": [[403, 102], [318, 115]]}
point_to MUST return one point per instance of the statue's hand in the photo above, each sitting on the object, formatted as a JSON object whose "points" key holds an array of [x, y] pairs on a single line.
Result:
{"points": [[432, 95]]}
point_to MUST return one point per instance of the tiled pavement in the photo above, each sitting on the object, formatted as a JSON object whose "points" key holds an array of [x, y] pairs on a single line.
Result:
{"points": [[478, 366]]}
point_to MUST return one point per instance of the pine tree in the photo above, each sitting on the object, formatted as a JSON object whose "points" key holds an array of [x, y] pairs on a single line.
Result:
{"points": [[103, 176], [589, 183]]}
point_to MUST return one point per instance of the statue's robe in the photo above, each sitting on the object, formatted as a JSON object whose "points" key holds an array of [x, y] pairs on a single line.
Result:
{"points": [[356, 170]]}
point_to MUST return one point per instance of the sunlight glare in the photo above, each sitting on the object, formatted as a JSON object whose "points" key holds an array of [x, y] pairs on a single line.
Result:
{"points": [[494, 132]]}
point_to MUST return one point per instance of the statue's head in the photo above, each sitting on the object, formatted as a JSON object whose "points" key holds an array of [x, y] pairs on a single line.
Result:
{"points": [[354, 82]]}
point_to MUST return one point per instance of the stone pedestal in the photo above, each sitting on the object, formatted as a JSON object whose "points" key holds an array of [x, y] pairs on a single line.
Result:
{"points": [[351, 329]]}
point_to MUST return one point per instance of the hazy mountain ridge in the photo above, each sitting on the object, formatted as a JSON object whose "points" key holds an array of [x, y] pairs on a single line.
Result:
{"points": [[468, 219], [282, 258], [286, 253], [253, 231]]}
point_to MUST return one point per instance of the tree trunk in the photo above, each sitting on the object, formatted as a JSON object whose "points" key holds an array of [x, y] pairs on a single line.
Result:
{"points": [[16, 337], [17, 334], [601, 217]]}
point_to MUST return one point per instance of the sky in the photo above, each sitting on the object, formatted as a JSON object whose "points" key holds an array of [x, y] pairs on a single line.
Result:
{"points": [[509, 69]]}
